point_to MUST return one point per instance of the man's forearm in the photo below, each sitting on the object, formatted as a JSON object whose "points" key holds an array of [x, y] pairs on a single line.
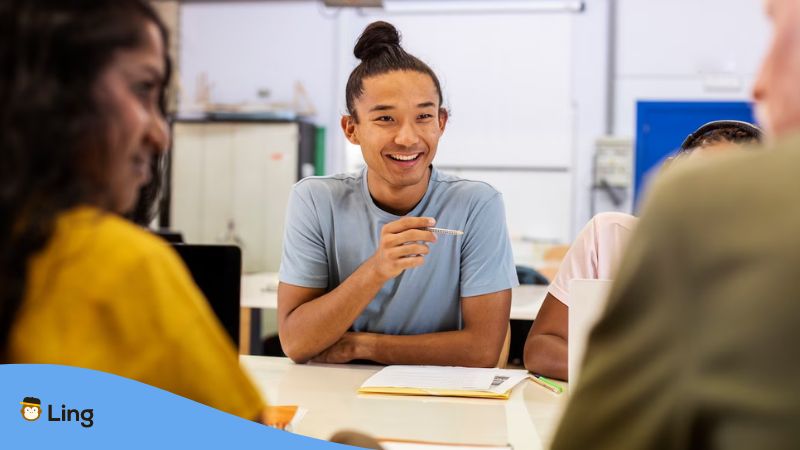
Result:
{"points": [[468, 348], [546, 354], [316, 325]]}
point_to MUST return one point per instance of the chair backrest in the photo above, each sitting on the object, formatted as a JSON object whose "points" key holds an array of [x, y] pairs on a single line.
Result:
{"points": [[217, 271], [502, 362], [529, 275], [555, 253], [587, 301]]}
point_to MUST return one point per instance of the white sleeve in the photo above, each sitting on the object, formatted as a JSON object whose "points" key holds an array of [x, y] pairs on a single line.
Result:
{"points": [[580, 262]]}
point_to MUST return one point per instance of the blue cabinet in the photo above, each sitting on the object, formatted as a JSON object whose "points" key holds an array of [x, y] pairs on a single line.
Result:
{"points": [[661, 127]]}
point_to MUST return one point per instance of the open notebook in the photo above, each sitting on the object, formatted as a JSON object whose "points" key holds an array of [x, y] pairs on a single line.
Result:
{"points": [[444, 381], [412, 445]]}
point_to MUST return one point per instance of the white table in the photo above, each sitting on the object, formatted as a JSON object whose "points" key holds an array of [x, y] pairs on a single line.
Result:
{"points": [[527, 420], [259, 290]]}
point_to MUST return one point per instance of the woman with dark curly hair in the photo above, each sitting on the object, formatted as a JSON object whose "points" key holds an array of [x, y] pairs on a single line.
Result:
{"points": [[81, 124]]}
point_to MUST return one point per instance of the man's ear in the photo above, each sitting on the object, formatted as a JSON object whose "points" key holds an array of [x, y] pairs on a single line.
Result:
{"points": [[443, 116], [349, 127]]}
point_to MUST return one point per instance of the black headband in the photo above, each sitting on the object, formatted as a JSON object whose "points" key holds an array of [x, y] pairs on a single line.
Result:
{"points": [[720, 124]]}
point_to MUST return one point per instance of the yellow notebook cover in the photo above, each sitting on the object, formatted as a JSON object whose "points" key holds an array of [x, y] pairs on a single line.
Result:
{"points": [[444, 381], [433, 392]]}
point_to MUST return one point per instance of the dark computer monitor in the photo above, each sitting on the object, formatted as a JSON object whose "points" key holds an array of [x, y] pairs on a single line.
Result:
{"points": [[173, 237], [217, 270]]}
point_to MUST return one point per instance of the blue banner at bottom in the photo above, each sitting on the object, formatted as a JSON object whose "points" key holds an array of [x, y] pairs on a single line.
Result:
{"points": [[69, 407]]}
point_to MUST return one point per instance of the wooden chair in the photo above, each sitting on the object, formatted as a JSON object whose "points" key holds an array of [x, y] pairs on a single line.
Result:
{"points": [[555, 254], [551, 260], [503, 360]]}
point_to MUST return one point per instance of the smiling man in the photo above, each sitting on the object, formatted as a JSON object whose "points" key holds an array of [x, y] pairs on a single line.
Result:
{"points": [[361, 276]]}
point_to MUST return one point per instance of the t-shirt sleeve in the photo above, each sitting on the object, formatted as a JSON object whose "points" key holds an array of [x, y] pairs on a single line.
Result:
{"points": [[175, 342], [304, 261], [596, 252], [580, 262], [487, 262]]}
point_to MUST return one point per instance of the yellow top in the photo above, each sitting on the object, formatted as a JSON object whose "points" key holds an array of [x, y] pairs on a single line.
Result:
{"points": [[106, 295]]}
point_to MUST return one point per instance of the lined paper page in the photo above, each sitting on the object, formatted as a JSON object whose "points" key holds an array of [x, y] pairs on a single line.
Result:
{"points": [[400, 445], [431, 377], [446, 378]]}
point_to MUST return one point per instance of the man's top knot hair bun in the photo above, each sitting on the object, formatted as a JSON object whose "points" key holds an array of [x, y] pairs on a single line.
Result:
{"points": [[380, 52], [379, 37]]}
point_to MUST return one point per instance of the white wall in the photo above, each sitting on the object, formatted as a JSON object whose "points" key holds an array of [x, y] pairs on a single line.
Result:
{"points": [[247, 46], [686, 50], [590, 81], [507, 79], [525, 89], [681, 50]]}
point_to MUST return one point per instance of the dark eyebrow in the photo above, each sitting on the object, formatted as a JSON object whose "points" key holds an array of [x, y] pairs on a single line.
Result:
{"points": [[427, 105], [381, 108]]}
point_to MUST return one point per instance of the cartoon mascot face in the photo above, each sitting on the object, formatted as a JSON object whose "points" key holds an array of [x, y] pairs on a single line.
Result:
{"points": [[31, 408]]}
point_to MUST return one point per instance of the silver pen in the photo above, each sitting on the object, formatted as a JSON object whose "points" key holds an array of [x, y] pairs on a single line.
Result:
{"points": [[444, 231]]}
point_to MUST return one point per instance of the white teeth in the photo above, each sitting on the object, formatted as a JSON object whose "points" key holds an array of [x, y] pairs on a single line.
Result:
{"points": [[404, 157]]}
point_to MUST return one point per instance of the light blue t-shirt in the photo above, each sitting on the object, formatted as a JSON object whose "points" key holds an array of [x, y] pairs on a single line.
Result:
{"points": [[333, 226]]}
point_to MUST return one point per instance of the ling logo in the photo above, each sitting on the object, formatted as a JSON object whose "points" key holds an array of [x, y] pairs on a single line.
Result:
{"points": [[31, 408]]}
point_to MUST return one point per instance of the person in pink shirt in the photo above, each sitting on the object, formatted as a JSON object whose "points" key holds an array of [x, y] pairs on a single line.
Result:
{"points": [[598, 249]]}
